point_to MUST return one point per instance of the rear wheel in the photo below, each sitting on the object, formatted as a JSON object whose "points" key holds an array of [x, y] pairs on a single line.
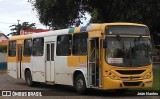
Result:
{"points": [[80, 84], [28, 78]]}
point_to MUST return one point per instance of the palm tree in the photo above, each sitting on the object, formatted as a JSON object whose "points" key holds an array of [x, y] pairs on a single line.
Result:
{"points": [[24, 26]]}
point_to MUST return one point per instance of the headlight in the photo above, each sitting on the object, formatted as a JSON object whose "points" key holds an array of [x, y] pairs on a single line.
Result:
{"points": [[111, 75], [148, 75]]}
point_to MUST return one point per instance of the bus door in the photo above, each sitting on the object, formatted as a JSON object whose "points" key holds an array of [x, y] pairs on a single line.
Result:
{"points": [[93, 62], [19, 68], [49, 62]]}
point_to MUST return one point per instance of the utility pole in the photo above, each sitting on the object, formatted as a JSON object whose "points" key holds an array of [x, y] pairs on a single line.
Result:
{"points": [[18, 21], [18, 31]]}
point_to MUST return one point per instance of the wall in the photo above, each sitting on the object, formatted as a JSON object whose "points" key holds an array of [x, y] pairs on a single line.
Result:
{"points": [[3, 61], [2, 38]]}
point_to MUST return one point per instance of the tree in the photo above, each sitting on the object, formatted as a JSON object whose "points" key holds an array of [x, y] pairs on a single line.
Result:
{"points": [[59, 13], [3, 48], [62, 13], [24, 26]]}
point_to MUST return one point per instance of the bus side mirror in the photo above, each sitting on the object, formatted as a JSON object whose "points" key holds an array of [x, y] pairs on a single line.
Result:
{"points": [[104, 44]]}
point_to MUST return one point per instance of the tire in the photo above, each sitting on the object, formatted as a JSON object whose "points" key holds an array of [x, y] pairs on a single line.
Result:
{"points": [[28, 78], [80, 84]]}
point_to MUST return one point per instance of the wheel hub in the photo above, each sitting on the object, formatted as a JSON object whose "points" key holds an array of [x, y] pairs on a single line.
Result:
{"points": [[80, 84]]}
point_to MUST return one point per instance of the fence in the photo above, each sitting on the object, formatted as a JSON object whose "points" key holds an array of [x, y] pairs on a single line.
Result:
{"points": [[156, 59]]}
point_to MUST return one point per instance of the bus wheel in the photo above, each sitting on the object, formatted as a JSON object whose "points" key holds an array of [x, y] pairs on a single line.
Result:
{"points": [[28, 78], [80, 84]]}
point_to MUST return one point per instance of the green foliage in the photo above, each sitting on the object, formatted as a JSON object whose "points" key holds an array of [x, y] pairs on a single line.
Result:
{"points": [[24, 26], [156, 78], [3, 48], [62, 13]]}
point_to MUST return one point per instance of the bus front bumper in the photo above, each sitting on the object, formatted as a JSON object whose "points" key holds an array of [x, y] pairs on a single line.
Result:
{"points": [[109, 83]]}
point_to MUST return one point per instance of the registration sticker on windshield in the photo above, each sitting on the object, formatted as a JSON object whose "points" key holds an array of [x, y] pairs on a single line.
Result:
{"points": [[115, 60]]}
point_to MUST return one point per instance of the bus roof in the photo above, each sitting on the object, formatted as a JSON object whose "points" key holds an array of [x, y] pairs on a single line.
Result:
{"points": [[90, 27], [20, 37], [124, 23]]}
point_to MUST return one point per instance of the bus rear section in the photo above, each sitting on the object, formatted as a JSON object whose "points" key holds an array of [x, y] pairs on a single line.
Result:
{"points": [[16, 61]]}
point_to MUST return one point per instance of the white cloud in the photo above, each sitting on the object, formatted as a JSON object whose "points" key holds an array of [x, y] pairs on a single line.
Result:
{"points": [[11, 10]]}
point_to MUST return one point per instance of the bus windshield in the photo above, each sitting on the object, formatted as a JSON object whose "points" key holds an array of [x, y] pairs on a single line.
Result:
{"points": [[128, 52]]}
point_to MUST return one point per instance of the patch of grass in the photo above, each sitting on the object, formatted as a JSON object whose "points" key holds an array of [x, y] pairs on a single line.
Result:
{"points": [[156, 79]]}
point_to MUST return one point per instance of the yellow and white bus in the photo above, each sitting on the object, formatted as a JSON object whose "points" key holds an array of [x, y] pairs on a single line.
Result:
{"points": [[103, 56]]}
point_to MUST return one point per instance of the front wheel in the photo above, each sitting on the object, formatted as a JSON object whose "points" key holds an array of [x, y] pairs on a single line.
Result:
{"points": [[80, 84], [28, 78]]}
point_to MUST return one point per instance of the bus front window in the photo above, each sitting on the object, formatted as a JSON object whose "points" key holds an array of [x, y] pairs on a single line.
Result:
{"points": [[129, 52]]}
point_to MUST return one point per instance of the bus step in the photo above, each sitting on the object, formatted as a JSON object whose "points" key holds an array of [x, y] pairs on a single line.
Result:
{"points": [[95, 87], [50, 83]]}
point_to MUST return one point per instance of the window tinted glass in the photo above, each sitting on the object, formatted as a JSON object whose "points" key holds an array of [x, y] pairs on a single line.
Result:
{"points": [[64, 43], [27, 47], [80, 44], [52, 51], [128, 51], [38, 46], [48, 52], [129, 30], [12, 48]]}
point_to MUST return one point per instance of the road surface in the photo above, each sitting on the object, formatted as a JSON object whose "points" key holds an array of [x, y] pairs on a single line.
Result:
{"points": [[8, 83]]}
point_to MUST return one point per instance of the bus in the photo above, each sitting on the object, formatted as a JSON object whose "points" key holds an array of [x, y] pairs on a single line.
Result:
{"points": [[100, 56]]}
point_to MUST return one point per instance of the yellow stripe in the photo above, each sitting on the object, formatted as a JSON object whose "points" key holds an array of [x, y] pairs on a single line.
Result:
{"points": [[73, 61], [12, 59], [26, 59], [76, 61], [94, 34], [96, 27], [19, 41], [76, 29], [20, 37]]}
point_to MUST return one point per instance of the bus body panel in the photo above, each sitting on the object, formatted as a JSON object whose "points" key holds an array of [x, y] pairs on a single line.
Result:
{"points": [[14, 63], [38, 68], [61, 70], [63, 74], [12, 69], [64, 68]]}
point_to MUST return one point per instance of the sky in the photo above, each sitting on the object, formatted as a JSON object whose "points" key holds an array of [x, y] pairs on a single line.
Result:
{"points": [[13, 10]]}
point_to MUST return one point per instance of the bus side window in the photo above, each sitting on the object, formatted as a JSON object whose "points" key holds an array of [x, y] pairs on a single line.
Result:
{"points": [[38, 46], [80, 44], [27, 47], [64, 43], [12, 48]]}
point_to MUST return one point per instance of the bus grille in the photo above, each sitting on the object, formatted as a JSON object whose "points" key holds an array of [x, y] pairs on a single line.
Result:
{"points": [[130, 72], [129, 78], [132, 83]]}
